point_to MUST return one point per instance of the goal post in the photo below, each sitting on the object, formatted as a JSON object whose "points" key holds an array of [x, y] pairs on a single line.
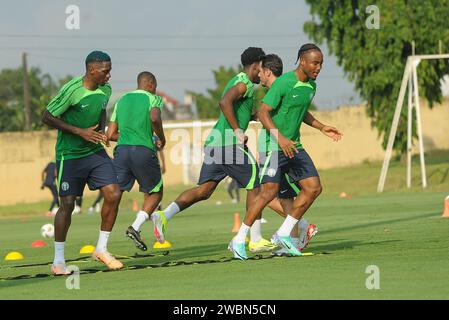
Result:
{"points": [[410, 83]]}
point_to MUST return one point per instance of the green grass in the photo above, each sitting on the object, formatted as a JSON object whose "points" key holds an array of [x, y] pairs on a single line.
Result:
{"points": [[400, 231]]}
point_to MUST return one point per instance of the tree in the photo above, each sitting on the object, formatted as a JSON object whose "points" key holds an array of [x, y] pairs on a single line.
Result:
{"points": [[42, 88], [208, 104], [375, 58]]}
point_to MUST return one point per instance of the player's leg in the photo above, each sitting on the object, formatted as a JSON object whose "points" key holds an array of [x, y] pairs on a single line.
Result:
{"points": [[103, 176], [302, 232], [145, 167], [256, 241], [310, 190], [287, 193], [247, 177], [71, 184], [210, 175], [190, 197], [123, 167], [109, 209], [301, 169]]}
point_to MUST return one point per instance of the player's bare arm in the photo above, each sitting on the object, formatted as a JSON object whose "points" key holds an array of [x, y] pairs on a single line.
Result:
{"points": [[329, 131], [88, 134], [226, 104], [112, 133], [156, 124]]}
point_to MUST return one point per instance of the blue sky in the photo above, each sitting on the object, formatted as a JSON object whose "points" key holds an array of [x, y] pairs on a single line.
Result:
{"points": [[179, 41]]}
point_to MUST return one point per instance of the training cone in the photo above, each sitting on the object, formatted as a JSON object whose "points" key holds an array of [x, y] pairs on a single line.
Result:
{"points": [[87, 249], [446, 208], [135, 206], [14, 256], [343, 195], [236, 226], [165, 245], [38, 244]]}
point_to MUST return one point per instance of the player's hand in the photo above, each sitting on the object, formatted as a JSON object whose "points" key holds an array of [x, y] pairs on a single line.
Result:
{"points": [[89, 134], [160, 144], [332, 133], [242, 138], [287, 146], [105, 139]]}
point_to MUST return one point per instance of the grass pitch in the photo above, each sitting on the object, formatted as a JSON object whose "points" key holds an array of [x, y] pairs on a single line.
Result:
{"points": [[401, 232]]}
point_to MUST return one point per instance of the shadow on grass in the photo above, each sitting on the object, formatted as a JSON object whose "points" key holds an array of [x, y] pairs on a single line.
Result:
{"points": [[338, 246], [211, 250], [382, 222]]}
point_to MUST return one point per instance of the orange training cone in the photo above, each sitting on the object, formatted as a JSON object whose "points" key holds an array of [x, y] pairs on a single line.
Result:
{"points": [[135, 206], [38, 244], [236, 226], [446, 208]]}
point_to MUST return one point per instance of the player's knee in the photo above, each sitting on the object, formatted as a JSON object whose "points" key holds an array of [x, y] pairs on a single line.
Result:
{"points": [[112, 195], [67, 208]]}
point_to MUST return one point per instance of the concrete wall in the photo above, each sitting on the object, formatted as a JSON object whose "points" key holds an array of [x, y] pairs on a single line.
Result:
{"points": [[23, 155]]}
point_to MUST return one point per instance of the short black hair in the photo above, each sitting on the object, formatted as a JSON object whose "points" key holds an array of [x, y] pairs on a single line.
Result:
{"points": [[251, 55], [97, 56], [305, 48], [146, 75], [274, 63]]}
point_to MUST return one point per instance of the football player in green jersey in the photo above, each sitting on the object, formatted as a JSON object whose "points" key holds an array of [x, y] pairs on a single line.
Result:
{"points": [[79, 114], [270, 69], [136, 117], [283, 109], [226, 153]]}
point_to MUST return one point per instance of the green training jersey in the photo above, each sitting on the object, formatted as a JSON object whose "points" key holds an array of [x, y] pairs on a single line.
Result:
{"points": [[79, 107], [222, 133], [290, 100], [132, 115]]}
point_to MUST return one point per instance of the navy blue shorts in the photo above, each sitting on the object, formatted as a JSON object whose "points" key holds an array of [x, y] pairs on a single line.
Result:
{"points": [[275, 165], [96, 170], [287, 188], [234, 161], [137, 163]]}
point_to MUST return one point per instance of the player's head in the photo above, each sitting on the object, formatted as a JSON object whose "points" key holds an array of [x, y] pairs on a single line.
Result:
{"points": [[147, 81], [98, 66], [310, 60], [270, 69], [250, 59]]}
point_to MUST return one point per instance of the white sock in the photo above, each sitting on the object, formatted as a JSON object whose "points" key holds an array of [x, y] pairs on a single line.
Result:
{"points": [[59, 253], [241, 235], [102, 244], [141, 217], [287, 226], [171, 210], [255, 233]]}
